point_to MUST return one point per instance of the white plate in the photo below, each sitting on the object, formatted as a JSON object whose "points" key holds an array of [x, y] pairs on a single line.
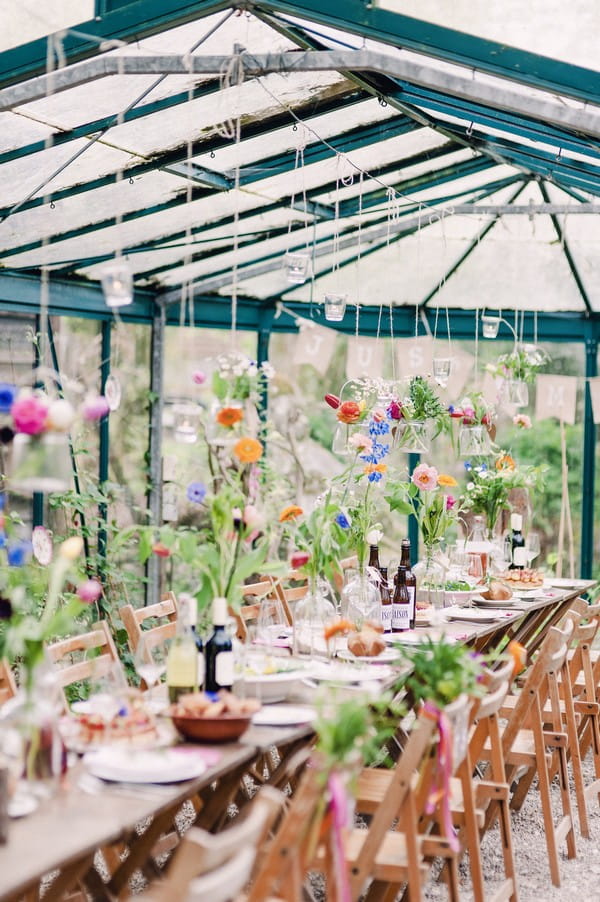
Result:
{"points": [[151, 766], [385, 657], [21, 804], [566, 583], [350, 673], [81, 707], [273, 687], [470, 615], [494, 602], [283, 715]]}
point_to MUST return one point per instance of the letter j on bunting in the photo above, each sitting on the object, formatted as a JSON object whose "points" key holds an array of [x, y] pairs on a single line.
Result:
{"points": [[314, 345]]}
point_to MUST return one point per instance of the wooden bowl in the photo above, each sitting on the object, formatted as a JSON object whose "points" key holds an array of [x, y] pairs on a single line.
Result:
{"points": [[224, 728]]}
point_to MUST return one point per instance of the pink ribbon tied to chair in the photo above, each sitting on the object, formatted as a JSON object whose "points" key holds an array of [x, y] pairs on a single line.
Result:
{"points": [[439, 794]]}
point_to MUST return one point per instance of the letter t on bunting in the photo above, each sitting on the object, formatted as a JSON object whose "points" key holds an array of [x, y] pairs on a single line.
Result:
{"points": [[314, 345], [556, 397], [365, 358]]}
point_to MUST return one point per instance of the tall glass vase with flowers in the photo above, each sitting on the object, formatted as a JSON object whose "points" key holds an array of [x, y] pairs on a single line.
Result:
{"points": [[34, 609], [319, 540], [436, 512], [238, 384]]}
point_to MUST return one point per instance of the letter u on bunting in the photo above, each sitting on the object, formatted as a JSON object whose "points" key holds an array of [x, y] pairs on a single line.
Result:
{"points": [[556, 397], [414, 356], [314, 345], [365, 358]]}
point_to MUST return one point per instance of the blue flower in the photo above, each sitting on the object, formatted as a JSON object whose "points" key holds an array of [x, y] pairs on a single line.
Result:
{"points": [[7, 396], [17, 553], [378, 428], [468, 465], [2, 539], [342, 520], [196, 492], [375, 477], [2, 501]]}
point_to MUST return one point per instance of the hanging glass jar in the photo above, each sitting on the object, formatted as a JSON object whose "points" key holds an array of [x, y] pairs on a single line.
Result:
{"points": [[41, 463], [442, 367], [335, 307], [517, 392], [311, 615], [186, 422], [414, 436], [297, 267], [473, 440]]}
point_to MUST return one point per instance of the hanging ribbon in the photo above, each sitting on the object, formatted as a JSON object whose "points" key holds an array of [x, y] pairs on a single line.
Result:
{"points": [[439, 794], [338, 810]]}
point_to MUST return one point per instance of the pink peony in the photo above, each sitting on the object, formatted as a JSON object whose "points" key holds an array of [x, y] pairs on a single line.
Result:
{"points": [[199, 377], [94, 408], [522, 421], [361, 442], [89, 591], [29, 413], [450, 502], [425, 477]]}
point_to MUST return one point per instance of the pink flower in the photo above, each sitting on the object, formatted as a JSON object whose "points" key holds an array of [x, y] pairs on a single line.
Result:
{"points": [[425, 477], [253, 517], [468, 415], [29, 413], [395, 410], [522, 421], [361, 442], [378, 415], [450, 502], [89, 591], [199, 377], [299, 559], [94, 408]]}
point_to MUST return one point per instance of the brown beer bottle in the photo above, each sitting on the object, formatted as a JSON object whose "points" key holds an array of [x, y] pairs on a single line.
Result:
{"points": [[403, 611], [411, 579], [386, 601]]}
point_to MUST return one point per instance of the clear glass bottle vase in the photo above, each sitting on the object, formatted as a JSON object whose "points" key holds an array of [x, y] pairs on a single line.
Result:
{"points": [[311, 616], [361, 600]]}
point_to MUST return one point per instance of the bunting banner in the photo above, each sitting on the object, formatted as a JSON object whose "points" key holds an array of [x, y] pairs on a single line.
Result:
{"points": [[314, 345], [594, 385], [364, 358], [414, 356], [556, 396]]}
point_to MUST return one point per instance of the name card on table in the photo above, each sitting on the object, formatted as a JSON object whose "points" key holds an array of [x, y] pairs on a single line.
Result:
{"points": [[364, 358], [314, 345], [556, 397]]}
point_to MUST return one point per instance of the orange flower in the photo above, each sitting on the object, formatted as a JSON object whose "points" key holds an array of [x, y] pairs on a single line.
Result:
{"points": [[290, 513], [248, 450], [350, 411], [505, 462], [445, 479], [229, 416], [375, 468], [519, 655], [338, 627]]}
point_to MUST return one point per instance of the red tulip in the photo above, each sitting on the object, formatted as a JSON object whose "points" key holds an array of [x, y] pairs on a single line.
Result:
{"points": [[161, 550], [333, 401], [299, 559]]}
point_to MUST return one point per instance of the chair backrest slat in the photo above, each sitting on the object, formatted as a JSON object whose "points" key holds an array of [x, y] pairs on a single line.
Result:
{"points": [[135, 618]]}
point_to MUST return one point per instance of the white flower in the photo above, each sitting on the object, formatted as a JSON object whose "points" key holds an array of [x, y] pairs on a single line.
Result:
{"points": [[60, 415], [268, 370], [252, 370], [374, 536], [470, 486]]}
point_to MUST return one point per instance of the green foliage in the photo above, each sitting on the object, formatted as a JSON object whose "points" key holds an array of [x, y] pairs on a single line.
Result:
{"points": [[321, 537], [440, 671], [424, 404]]}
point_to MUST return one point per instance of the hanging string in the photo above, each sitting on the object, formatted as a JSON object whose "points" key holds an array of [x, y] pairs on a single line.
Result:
{"points": [[187, 294], [335, 245], [359, 254], [477, 347], [535, 327]]}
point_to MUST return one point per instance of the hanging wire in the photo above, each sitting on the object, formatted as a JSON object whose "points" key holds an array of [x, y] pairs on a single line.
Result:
{"points": [[359, 254]]}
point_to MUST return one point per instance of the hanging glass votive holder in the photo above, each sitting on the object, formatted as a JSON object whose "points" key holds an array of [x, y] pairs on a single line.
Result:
{"points": [[41, 463], [335, 307], [517, 392], [186, 421], [117, 284], [297, 266], [490, 326], [473, 440], [112, 391], [442, 367]]}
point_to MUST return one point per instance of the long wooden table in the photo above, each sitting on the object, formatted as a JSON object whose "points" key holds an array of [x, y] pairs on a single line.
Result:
{"points": [[65, 833]]}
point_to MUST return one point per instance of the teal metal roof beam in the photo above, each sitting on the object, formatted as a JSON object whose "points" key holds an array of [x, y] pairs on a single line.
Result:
{"points": [[568, 254], [474, 243], [382, 25], [500, 96]]}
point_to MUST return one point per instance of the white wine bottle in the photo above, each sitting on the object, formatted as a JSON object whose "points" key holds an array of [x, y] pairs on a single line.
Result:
{"points": [[182, 660]]}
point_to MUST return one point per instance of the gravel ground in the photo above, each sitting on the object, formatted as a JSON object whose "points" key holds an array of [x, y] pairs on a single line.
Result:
{"points": [[580, 877]]}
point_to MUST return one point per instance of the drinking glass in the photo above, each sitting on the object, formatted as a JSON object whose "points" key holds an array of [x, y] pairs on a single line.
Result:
{"points": [[108, 688], [150, 660], [273, 630], [532, 547]]}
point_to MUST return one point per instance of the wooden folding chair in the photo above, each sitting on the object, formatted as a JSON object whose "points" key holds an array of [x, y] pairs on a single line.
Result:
{"points": [[289, 595], [8, 686], [528, 743], [249, 611], [135, 620], [85, 656], [202, 853]]}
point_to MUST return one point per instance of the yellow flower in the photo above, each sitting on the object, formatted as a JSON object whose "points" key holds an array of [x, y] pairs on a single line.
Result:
{"points": [[290, 513], [229, 416], [446, 479], [248, 450], [374, 468], [71, 548]]}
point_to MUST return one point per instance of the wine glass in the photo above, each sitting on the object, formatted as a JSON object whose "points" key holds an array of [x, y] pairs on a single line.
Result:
{"points": [[272, 627], [150, 659], [532, 547], [107, 691]]}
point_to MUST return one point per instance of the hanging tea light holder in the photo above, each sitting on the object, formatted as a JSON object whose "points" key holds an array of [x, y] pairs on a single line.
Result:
{"points": [[490, 325], [112, 391], [186, 422], [297, 267], [335, 307], [117, 283], [442, 367]]}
